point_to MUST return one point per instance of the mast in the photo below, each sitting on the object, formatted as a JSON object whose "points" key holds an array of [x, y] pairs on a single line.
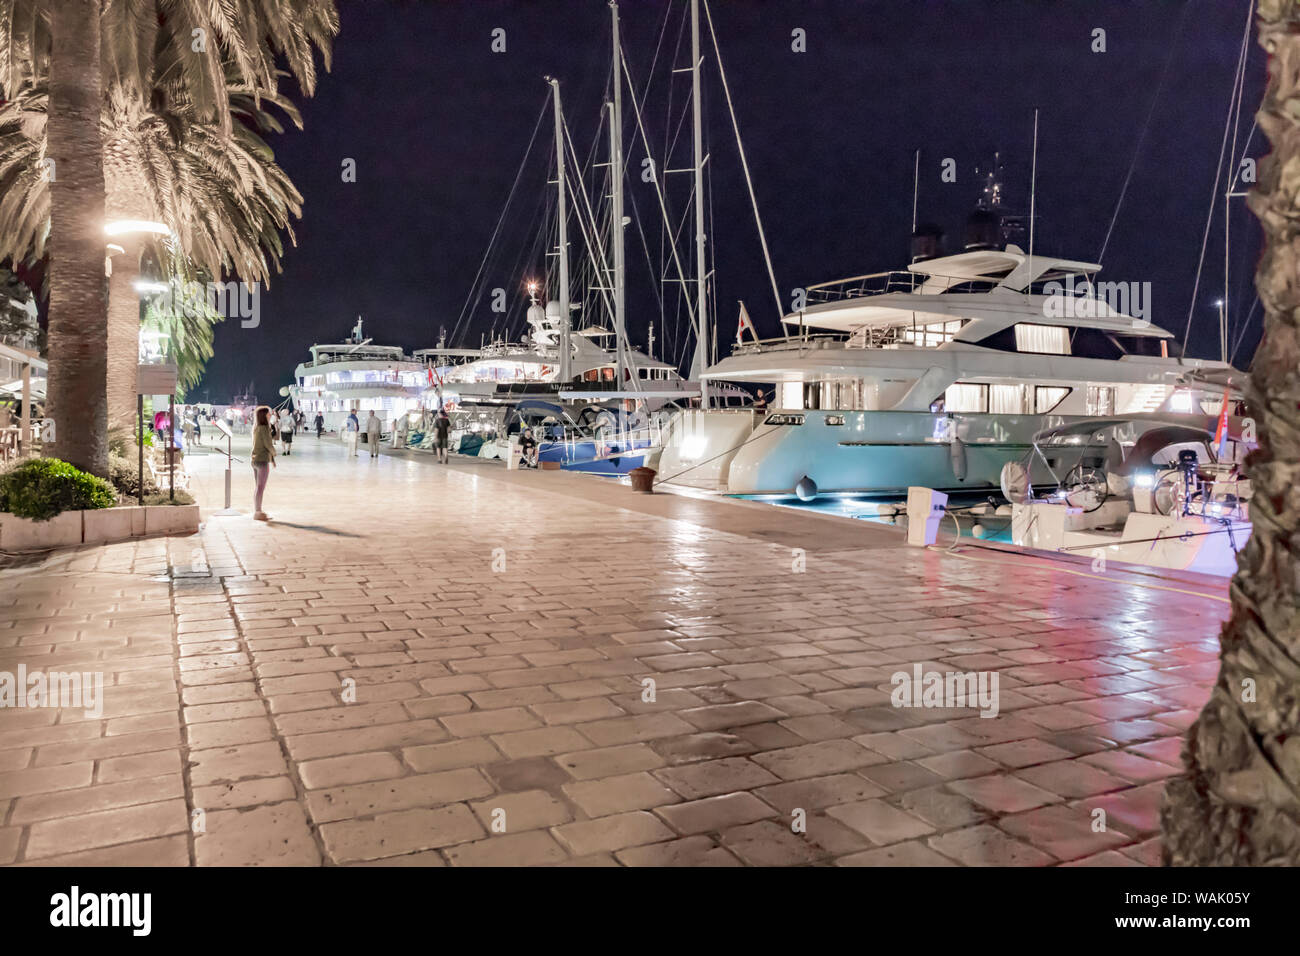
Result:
{"points": [[702, 339], [616, 177], [565, 372]]}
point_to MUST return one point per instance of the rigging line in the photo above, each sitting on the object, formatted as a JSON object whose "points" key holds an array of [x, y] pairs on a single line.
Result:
{"points": [[501, 219], [595, 248], [744, 164], [663, 210], [1238, 77], [1178, 31], [1241, 335]]}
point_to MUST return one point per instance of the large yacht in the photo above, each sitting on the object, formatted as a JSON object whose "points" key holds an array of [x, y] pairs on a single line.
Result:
{"points": [[935, 376], [358, 375], [509, 371]]}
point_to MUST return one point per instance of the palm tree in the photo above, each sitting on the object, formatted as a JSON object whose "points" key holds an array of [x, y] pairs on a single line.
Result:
{"points": [[224, 191], [59, 39], [1239, 802], [78, 326]]}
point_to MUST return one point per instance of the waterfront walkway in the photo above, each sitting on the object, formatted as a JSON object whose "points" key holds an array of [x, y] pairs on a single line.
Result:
{"points": [[427, 665]]}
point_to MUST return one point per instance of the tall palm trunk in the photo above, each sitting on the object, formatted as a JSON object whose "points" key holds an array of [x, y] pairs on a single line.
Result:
{"points": [[78, 332], [1239, 802], [123, 338]]}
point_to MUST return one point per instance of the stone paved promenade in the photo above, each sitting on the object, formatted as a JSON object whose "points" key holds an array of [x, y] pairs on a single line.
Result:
{"points": [[426, 665]]}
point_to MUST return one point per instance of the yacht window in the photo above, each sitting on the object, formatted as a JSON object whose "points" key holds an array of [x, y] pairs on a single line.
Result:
{"points": [[834, 419], [1100, 401], [962, 397], [1047, 397], [1045, 339], [783, 420], [1008, 399], [930, 336], [791, 395], [643, 373]]}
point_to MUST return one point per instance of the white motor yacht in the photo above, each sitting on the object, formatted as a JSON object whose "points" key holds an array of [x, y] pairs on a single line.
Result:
{"points": [[935, 376]]}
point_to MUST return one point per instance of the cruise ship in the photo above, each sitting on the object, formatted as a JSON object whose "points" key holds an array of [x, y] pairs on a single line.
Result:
{"points": [[935, 376], [357, 375]]}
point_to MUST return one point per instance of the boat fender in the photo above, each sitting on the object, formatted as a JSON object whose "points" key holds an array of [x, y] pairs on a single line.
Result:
{"points": [[957, 454], [806, 489], [978, 531]]}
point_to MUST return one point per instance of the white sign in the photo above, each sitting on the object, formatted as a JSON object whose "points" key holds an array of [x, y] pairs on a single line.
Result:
{"points": [[155, 379]]}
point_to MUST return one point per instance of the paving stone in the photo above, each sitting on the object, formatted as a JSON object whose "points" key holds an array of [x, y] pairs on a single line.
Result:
{"points": [[987, 846], [715, 813], [712, 777], [612, 833], [530, 848], [273, 835], [395, 834], [618, 794]]}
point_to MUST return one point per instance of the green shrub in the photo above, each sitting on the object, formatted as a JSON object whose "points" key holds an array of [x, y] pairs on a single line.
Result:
{"points": [[41, 488], [125, 476]]}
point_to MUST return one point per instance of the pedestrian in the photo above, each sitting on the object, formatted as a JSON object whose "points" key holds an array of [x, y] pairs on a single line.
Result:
{"points": [[287, 425], [198, 429], [373, 427], [528, 449], [442, 425], [399, 432], [320, 425], [187, 427], [352, 432], [263, 460]]}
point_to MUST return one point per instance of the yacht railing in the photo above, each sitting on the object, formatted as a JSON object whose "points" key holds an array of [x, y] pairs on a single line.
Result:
{"points": [[882, 283]]}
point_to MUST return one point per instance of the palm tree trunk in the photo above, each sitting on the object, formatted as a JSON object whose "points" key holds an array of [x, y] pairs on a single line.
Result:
{"points": [[78, 325], [123, 338], [1239, 801]]}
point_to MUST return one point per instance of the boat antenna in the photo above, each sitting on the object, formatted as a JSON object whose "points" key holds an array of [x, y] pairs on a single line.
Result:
{"points": [[916, 186], [1033, 183]]}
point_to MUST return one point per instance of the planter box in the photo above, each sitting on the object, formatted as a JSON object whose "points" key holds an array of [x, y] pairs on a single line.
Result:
{"points": [[170, 519], [108, 524], [99, 526], [24, 534]]}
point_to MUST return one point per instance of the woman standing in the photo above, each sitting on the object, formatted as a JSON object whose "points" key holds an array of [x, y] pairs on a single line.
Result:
{"points": [[263, 459]]}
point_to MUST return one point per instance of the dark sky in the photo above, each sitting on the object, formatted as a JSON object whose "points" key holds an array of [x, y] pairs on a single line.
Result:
{"points": [[438, 126]]}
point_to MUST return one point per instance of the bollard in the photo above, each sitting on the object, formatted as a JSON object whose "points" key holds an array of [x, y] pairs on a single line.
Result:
{"points": [[925, 510]]}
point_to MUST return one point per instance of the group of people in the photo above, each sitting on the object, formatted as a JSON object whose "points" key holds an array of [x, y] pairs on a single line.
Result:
{"points": [[268, 426]]}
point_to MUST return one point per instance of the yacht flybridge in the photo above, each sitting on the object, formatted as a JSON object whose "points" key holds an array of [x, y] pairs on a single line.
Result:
{"points": [[936, 376]]}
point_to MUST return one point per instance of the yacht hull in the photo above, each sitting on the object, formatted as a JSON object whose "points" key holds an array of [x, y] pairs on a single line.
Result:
{"points": [[848, 452]]}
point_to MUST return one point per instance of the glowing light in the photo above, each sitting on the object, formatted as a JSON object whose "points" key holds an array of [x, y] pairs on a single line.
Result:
{"points": [[140, 285], [122, 227], [1144, 479], [693, 446], [1181, 402]]}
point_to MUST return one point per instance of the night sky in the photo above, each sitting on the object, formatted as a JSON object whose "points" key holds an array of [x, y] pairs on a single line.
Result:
{"points": [[438, 125]]}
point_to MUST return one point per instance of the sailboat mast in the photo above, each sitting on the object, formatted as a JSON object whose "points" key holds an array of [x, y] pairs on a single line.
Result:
{"points": [[701, 275], [565, 372], [616, 177]]}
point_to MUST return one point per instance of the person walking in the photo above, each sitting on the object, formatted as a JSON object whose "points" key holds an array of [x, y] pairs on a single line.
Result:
{"points": [[352, 432], [198, 428], [320, 425], [263, 460], [442, 426], [373, 427], [287, 425]]}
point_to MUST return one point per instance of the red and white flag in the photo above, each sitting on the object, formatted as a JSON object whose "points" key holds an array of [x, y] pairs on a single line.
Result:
{"points": [[745, 322]]}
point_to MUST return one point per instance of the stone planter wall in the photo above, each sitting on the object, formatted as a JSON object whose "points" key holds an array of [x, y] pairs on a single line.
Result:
{"points": [[100, 526]]}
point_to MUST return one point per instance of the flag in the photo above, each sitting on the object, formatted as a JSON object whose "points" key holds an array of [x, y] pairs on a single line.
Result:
{"points": [[1221, 430], [744, 322]]}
